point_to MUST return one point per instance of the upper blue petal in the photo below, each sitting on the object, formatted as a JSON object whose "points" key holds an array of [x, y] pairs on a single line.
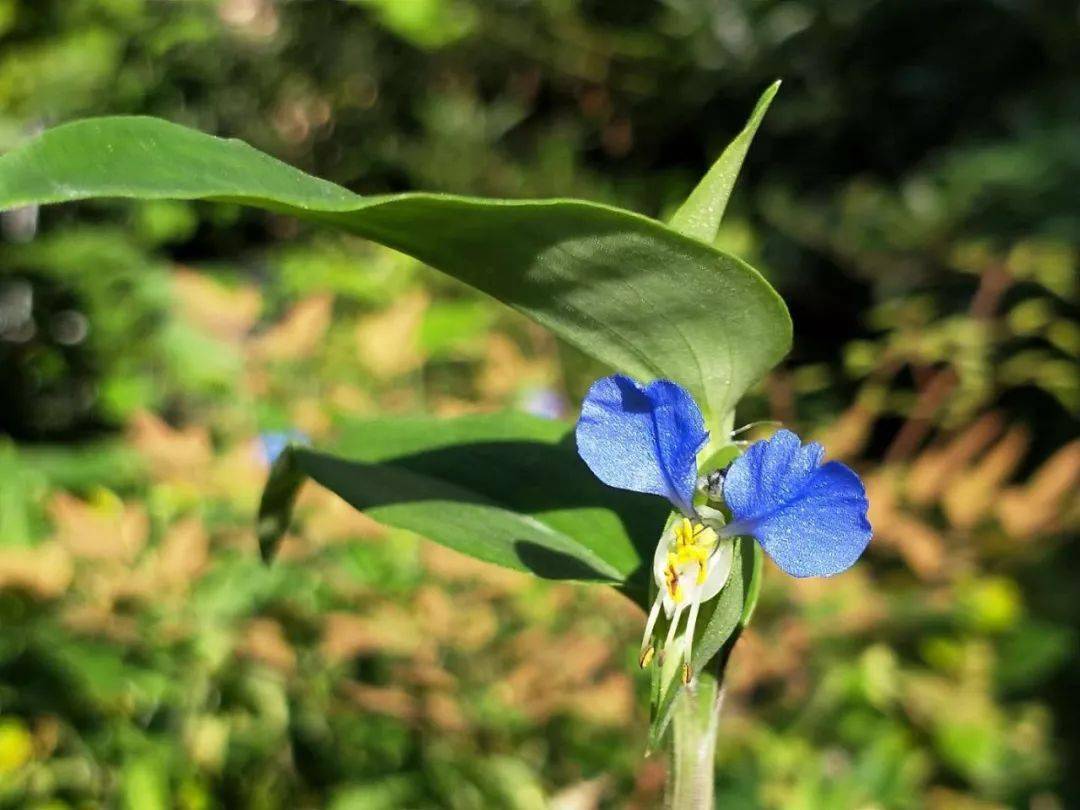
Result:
{"points": [[809, 517], [642, 438]]}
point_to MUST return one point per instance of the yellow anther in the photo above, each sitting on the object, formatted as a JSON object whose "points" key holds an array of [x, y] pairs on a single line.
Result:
{"points": [[684, 534], [646, 657], [686, 673], [671, 579]]}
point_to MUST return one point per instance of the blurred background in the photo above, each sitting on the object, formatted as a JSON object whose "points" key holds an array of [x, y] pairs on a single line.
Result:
{"points": [[913, 196]]}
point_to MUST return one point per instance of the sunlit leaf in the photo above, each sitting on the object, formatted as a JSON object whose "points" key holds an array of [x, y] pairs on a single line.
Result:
{"points": [[699, 216], [625, 289]]}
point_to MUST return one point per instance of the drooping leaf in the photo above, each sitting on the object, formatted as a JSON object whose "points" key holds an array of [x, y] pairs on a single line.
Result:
{"points": [[699, 216], [505, 488], [630, 291]]}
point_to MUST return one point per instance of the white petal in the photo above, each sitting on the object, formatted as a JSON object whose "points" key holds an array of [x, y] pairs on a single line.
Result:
{"points": [[718, 570]]}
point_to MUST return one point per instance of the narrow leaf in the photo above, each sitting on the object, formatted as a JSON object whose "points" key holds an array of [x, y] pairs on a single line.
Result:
{"points": [[699, 216], [631, 292]]}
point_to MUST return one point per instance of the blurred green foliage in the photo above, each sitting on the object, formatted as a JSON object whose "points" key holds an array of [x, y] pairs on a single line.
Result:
{"points": [[911, 194]]}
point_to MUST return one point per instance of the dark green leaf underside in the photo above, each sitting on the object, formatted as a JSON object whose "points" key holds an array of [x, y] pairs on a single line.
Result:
{"points": [[505, 488]]}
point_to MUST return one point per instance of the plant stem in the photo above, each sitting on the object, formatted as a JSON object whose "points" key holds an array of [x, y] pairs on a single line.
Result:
{"points": [[694, 722]]}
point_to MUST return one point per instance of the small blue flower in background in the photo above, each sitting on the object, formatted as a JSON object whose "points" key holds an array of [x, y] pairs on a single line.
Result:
{"points": [[273, 443], [546, 403], [809, 517]]}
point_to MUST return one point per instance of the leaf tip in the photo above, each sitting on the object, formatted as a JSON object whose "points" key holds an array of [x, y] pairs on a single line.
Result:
{"points": [[276, 504]]}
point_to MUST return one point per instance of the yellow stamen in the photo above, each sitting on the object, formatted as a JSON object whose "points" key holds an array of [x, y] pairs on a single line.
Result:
{"points": [[686, 673], [647, 648], [671, 579]]}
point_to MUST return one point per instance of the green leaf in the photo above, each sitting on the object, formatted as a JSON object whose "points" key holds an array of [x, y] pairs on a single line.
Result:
{"points": [[505, 488], [623, 288], [753, 588], [425, 23], [699, 216], [719, 625]]}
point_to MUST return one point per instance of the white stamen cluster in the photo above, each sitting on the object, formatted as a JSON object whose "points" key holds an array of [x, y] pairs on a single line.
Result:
{"points": [[692, 564]]}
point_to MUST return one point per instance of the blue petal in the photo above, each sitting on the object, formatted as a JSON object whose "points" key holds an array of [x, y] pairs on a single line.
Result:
{"points": [[642, 438], [810, 518]]}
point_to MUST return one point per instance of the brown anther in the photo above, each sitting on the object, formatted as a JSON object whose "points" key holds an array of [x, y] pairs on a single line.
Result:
{"points": [[646, 656]]}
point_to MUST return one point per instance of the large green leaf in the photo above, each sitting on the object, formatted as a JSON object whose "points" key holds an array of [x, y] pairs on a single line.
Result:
{"points": [[625, 289], [506, 488], [699, 216]]}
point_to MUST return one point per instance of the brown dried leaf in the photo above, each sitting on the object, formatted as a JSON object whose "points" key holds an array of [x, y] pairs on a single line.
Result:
{"points": [[610, 702], [1042, 504], [387, 343], [298, 334], [100, 620], [453, 566], [44, 571], [183, 554], [444, 712], [106, 530], [969, 498], [921, 547], [585, 795], [936, 467], [847, 436], [264, 641], [391, 701], [328, 518], [171, 454], [389, 630], [222, 311]]}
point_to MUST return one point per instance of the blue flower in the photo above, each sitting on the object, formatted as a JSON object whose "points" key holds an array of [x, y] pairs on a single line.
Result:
{"points": [[808, 516], [273, 443]]}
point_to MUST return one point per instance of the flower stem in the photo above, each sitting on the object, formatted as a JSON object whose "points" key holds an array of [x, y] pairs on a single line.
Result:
{"points": [[695, 719]]}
